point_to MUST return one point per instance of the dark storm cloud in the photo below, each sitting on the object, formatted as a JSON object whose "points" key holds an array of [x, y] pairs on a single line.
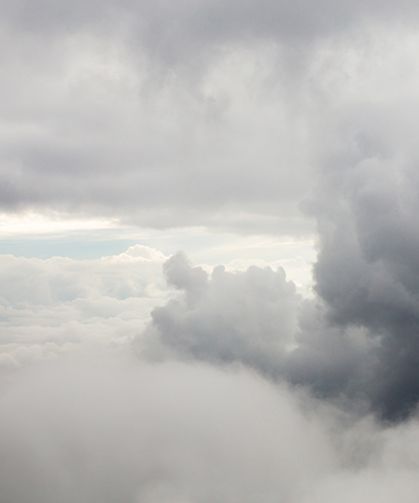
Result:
{"points": [[367, 270], [256, 319], [358, 343]]}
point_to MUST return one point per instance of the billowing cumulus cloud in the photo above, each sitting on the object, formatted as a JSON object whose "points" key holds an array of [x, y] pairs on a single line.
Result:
{"points": [[248, 317], [357, 348], [256, 319]]}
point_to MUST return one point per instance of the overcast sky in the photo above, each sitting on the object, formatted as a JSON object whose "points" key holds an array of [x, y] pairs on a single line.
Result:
{"points": [[209, 251]]}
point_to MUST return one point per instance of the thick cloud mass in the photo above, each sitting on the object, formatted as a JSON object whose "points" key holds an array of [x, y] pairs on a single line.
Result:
{"points": [[98, 430], [256, 319], [368, 269], [173, 26], [357, 349], [178, 113], [117, 121], [170, 433], [248, 317]]}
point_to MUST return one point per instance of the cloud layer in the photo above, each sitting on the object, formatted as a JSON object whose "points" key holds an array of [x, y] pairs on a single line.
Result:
{"points": [[175, 115], [61, 305], [120, 429]]}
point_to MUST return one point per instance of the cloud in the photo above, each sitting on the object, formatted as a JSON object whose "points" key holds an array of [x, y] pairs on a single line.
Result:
{"points": [[99, 429], [58, 305], [252, 117], [367, 268], [174, 27], [152, 433], [247, 317], [179, 150], [256, 319], [171, 115]]}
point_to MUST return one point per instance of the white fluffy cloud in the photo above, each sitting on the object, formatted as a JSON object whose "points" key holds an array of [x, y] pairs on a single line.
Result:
{"points": [[54, 305]]}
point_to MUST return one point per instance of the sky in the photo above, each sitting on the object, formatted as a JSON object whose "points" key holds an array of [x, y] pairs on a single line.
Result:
{"points": [[209, 281]]}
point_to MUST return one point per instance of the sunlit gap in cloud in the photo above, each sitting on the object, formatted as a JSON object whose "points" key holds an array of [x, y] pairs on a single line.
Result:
{"points": [[41, 224], [46, 235]]}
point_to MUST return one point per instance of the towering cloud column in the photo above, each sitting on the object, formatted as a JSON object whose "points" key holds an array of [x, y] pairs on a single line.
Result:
{"points": [[368, 270]]}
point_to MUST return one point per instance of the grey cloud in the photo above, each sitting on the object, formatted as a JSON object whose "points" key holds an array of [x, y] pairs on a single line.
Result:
{"points": [[367, 268], [335, 363], [257, 320], [86, 137], [114, 117], [247, 317], [170, 25]]}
